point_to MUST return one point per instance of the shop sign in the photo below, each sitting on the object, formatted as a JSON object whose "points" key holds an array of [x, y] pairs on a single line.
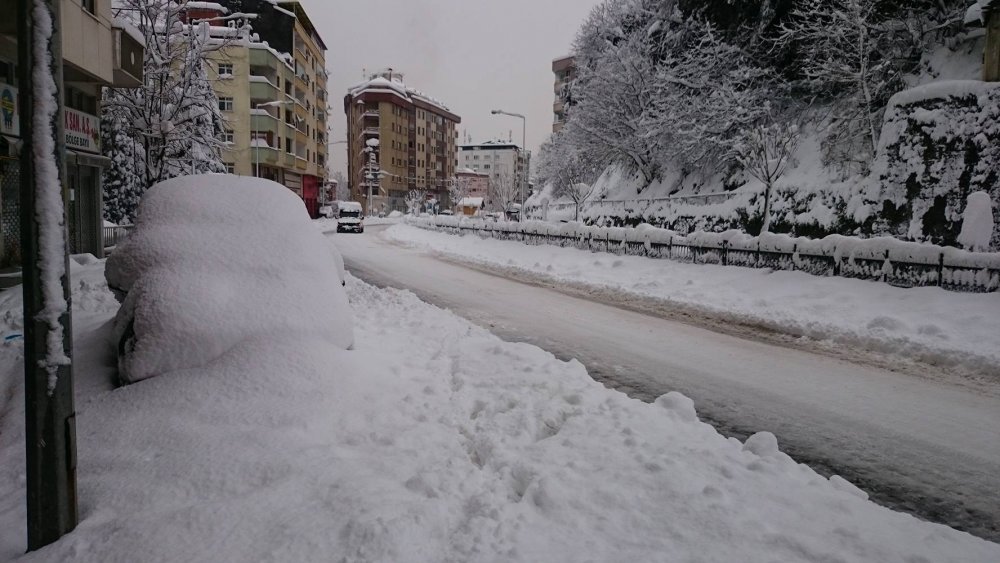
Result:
{"points": [[9, 122], [83, 131]]}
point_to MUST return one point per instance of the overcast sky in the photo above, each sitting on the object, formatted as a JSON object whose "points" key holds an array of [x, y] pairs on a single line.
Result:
{"points": [[473, 55]]}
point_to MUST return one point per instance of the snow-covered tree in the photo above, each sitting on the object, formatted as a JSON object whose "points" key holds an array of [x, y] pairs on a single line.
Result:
{"points": [[849, 53], [504, 190], [765, 152], [458, 188], [124, 179], [175, 114], [567, 169], [414, 201]]}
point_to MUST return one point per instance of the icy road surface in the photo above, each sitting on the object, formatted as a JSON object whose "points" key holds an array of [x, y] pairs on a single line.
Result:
{"points": [[917, 444]]}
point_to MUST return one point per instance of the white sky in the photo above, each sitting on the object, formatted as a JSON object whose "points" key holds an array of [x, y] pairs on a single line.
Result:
{"points": [[473, 55]]}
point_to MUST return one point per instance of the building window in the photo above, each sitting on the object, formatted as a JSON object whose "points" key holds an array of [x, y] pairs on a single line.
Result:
{"points": [[228, 137], [225, 69], [230, 168], [225, 103], [89, 6], [288, 145]]}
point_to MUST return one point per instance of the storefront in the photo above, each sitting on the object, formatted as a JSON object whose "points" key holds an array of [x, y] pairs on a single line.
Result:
{"points": [[84, 165]]}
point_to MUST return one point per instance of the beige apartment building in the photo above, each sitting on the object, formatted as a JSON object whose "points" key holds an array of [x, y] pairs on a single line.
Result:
{"points": [[97, 52], [415, 148], [272, 92], [564, 69]]}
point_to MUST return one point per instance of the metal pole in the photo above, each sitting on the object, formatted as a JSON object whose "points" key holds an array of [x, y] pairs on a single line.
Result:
{"points": [[524, 147], [256, 150], [50, 428]]}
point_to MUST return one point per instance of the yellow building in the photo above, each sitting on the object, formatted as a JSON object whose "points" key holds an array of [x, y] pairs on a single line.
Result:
{"points": [[272, 92]]}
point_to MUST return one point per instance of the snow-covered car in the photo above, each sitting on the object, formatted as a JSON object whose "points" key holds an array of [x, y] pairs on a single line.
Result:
{"points": [[327, 211], [350, 218], [217, 262]]}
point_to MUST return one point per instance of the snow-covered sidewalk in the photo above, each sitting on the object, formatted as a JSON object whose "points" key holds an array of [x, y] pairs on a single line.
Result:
{"points": [[957, 331], [432, 441]]}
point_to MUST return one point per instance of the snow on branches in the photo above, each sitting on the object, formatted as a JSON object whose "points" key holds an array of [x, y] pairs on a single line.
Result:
{"points": [[174, 117]]}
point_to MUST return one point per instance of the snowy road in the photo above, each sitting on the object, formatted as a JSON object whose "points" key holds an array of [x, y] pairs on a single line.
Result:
{"points": [[920, 445]]}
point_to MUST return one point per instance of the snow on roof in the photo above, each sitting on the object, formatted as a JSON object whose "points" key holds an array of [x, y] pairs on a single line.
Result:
{"points": [[207, 6], [942, 89], [471, 202], [128, 27], [349, 206], [381, 83]]}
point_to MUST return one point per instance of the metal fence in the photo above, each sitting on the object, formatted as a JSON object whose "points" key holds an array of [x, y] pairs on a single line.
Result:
{"points": [[115, 235], [939, 272], [638, 204]]}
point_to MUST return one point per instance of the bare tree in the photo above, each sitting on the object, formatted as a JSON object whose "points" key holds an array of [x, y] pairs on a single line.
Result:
{"points": [[505, 187], [765, 152], [458, 188]]}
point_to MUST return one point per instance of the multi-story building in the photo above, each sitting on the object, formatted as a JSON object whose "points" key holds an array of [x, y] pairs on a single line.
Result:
{"points": [[415, 148], [476, 184], [565, 70], [96, 53], [496, 158], [272, 91]]}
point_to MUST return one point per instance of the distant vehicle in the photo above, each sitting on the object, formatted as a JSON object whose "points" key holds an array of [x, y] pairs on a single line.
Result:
{"points": [[446, 212], [328, 211], [350, 217]]}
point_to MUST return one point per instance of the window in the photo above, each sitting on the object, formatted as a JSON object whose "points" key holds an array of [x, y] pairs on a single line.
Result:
{"points": [[225, 69], [89, 5], [230, 168], [225, 103], [288, 145], [228, 137]]}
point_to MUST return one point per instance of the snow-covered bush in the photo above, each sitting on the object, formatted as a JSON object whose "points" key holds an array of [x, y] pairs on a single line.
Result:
{"points": [[216, 260], [940, 142], [977, 222]]}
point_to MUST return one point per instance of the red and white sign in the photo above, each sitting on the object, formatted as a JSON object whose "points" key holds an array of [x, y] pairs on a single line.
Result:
{"points": [[83, 131]]}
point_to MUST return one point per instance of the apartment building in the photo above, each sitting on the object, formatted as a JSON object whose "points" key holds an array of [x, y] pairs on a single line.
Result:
{"points": [[494, 158], [564, 69], [97, 52], [272, 91], [400, 137]]}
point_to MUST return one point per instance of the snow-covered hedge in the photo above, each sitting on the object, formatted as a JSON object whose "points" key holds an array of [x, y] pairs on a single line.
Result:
{"points": [[884, 258], [940, 142]]}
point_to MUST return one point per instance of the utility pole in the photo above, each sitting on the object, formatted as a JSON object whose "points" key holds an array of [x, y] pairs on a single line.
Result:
{"points": [[50, 423]]}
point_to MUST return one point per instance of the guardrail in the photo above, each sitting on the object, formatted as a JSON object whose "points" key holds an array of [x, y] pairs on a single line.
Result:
{"points": [[641, 203], [112, 236], [898, 263]]}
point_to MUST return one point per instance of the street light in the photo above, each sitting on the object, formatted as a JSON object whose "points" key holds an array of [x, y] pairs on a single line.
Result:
{"points": [[524, 147], [256, 142]]}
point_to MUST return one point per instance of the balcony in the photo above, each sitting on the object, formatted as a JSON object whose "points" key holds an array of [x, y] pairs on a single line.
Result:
{"points": [[370, 113], [372, 131], [265, 155], [129, 52], [262, 89]]}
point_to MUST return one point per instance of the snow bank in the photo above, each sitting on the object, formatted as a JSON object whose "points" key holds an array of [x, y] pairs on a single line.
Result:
{"points": [[956, 331], [434, 441], [216, 260], [973, 270]]}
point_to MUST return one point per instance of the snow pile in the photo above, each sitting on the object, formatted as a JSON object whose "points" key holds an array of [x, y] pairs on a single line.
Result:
{"points": [[952, 330], [977, 222], [434, 441], [217, 260]]}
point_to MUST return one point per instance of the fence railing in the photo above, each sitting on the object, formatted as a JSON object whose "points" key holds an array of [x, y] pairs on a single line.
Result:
{"points": [[934, 269], [639, 203], [112, 236]]}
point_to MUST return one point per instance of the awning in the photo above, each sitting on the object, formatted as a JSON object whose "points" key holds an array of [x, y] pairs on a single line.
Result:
{"points": [[87, 159]]}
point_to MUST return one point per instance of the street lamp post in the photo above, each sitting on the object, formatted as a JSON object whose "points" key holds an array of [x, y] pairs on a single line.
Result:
{"points": [[524, 147], [256, 132]]}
